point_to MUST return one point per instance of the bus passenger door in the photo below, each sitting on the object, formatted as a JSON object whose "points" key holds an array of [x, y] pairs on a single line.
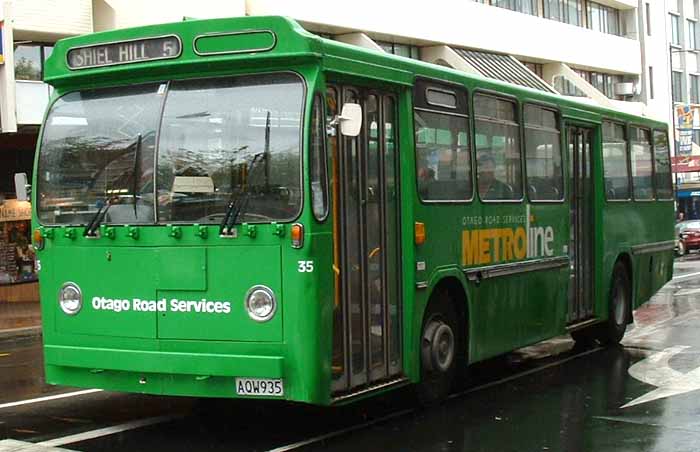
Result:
{"points": [[366, 323], [582, 229]]}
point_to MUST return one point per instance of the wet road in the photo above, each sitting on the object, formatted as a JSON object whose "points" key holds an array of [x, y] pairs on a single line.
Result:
{"points": [[640, 397]]}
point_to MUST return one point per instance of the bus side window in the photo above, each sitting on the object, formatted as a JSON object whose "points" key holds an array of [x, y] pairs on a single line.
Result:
{"points": [[545, 180], [442, 155], [662, 166], [640, 154], [497, 148], [615, 162]]}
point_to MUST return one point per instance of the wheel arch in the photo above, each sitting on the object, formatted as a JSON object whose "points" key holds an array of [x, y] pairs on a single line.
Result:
{"points": [[453, 281]]}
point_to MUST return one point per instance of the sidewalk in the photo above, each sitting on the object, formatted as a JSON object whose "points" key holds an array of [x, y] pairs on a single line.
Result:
{"points": [[19, 319]]}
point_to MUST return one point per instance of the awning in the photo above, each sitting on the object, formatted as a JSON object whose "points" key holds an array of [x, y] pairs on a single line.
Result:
{"points": [[686, 164], [505, 68]]}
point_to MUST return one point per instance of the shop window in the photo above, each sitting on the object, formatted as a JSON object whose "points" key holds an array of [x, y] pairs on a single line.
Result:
{"points": [[17, 258]]}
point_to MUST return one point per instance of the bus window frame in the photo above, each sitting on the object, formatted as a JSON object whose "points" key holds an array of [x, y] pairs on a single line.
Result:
{"points": [[562, 144], [323, 158], [628, 162], [469, 128], [649, 129], [668, 153], [518, 120]]}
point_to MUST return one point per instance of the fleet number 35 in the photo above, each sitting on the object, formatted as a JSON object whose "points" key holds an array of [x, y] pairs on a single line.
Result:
{"points": [[305, 266]]}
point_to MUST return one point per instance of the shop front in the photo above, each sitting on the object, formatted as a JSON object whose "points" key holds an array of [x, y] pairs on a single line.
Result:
{"points": [[18, 276]]}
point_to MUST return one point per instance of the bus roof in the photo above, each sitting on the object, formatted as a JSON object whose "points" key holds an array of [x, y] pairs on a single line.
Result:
{"points": [[194, 47]]}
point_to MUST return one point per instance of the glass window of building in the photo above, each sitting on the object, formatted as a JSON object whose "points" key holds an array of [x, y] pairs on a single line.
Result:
{"points": [[603, 18], [694, 88], [692, 35], [675, 30], [677, 86], [567, 11], [28, 62], [403, 50], [522, 6]]}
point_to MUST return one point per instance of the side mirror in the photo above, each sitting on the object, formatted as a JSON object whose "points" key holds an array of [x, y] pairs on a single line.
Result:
{"points": [[22, 187], [351, 120]]}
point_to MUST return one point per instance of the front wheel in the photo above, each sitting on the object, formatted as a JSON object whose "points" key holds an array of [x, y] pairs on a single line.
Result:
{"points": [[619, 307], [439, 350]]}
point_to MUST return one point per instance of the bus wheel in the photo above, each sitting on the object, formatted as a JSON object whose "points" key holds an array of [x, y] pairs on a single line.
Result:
{"points": [[439, 348], [619, 307]]}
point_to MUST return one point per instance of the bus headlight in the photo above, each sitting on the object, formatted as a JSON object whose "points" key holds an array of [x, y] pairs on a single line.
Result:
{"points": [[70, 298], [260, 303]]}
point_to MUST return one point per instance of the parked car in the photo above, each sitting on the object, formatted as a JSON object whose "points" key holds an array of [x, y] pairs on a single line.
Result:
{"points": [[687, 236]]}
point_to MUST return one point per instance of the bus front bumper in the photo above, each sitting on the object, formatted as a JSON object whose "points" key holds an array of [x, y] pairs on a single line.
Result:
{"points": [[155, 372]]}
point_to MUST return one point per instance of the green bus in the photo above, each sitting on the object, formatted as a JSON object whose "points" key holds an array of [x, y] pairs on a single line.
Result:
{"points": [[240, 208]]}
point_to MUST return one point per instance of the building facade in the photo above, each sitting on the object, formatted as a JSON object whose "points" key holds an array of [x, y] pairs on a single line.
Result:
{"points": [[610, 52]]}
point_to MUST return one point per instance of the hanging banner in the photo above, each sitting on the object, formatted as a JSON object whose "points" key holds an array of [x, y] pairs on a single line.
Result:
{"points": [[2, 55], [685, 141], [684, 116]]}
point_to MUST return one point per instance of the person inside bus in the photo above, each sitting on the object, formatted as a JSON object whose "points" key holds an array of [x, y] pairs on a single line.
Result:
{"points": [[489, 185]]}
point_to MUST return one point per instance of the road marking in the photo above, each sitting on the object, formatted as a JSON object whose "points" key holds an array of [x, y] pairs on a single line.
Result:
{"points": [[106, 431], [684, 292], [656, 371], [686, 276], [48, 398], [2, 355]]}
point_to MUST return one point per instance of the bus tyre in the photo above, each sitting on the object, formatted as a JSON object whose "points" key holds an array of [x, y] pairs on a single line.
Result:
{"points": [[619, 307], [438, 350]]}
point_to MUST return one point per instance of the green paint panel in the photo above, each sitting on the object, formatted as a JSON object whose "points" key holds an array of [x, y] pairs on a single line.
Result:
{"points": [[252, 41], [232, 272], [182, 268], [110, 279]]}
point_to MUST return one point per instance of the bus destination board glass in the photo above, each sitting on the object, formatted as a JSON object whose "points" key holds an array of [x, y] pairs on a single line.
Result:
{"points": [[124, 52]]}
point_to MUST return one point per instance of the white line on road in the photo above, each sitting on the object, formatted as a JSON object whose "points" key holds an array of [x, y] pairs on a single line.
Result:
{"points": [[48, 398], [686, 276], [106, 431]]}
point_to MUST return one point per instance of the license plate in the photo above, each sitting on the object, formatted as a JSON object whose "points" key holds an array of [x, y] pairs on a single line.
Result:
{"points": [[269, 387]]}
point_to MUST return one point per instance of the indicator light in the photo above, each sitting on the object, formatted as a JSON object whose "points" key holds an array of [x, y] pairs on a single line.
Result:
{"points": [[297, 234], [38, 239], [420, 233]]}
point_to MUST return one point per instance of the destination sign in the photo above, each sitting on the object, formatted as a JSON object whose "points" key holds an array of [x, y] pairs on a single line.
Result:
{"points": [[124, 52]]}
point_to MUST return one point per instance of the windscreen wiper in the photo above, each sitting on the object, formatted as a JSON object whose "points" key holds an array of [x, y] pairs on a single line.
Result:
{"points": [[237, 204], [135, 172], [91, 229], [265, 155]]}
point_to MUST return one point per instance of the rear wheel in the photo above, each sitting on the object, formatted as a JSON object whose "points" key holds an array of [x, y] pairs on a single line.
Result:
{"points": [[439, 350], [619, 307]]}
